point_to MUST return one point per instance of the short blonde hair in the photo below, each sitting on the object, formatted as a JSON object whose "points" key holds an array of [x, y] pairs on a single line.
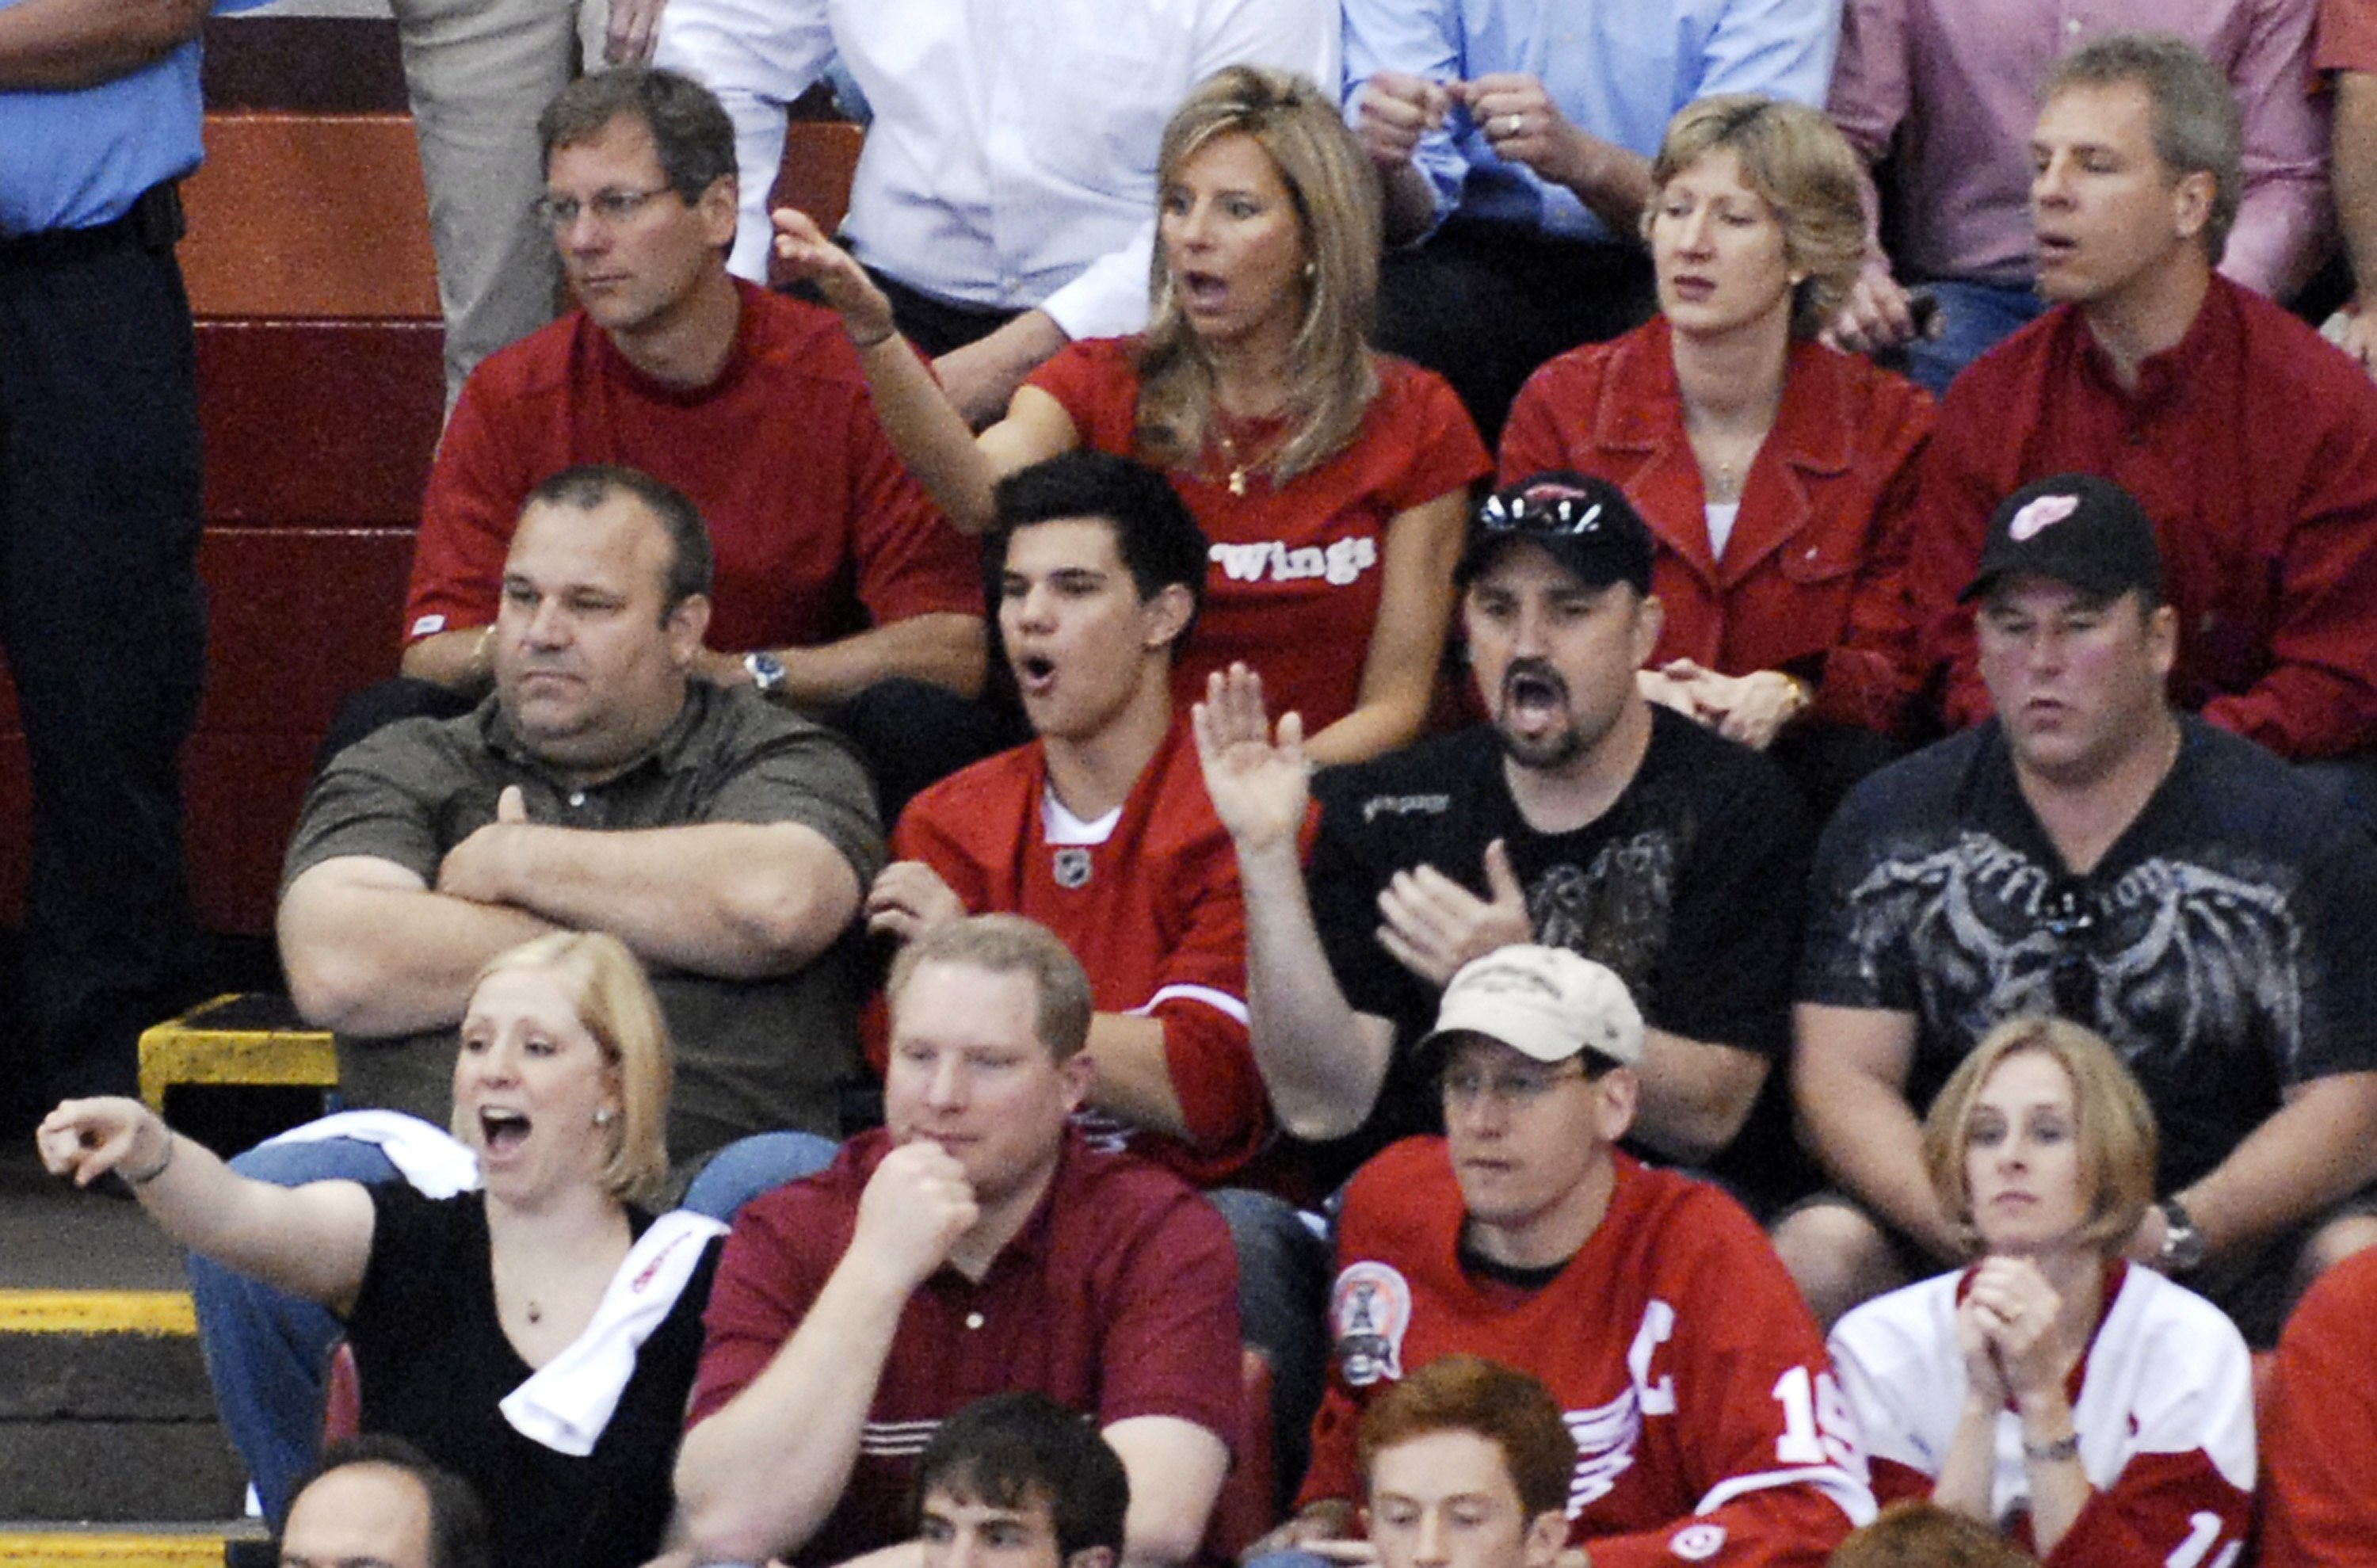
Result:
{"points": [[615, 1003], [1336, 192], [1801, 167], [1009, 944], [2111, 1121]]}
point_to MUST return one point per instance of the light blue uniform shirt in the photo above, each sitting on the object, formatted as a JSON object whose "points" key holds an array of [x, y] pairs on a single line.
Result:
{"points": [[73, 159], [1618, 69]]}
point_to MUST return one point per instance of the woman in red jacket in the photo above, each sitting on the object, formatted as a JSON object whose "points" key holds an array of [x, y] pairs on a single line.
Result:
{"points": [[1775, 472]]}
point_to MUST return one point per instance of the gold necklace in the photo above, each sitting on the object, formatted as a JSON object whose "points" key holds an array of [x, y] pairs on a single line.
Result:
{"points": [[1725, 459], [1240, 466], [1238, 479], [1724, 485]]}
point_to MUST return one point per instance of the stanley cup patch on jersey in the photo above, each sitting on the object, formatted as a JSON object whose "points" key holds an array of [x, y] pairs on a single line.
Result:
{"points": [[1369, 1311], [1698, 1542]]}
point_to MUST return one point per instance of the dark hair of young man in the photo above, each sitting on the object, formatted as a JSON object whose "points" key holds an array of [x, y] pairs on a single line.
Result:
{"points": [[1008, 1450], [1158, 539]]}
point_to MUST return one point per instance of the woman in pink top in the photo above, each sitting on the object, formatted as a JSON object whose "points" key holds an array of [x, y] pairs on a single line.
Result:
{"points": [[1332, 482]]}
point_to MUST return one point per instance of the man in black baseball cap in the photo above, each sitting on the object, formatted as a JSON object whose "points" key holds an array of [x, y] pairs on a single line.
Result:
{"points": [[2092, 853], [2075, 642], [1578, 816], [2076, 528], [1585, 524]]}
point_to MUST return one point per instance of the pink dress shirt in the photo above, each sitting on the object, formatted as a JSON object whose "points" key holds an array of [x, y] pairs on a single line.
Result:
{"points": [[1956, 84]]}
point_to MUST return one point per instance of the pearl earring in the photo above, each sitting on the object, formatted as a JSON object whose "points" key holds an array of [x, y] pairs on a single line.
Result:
{"points": [[603, 1117]]}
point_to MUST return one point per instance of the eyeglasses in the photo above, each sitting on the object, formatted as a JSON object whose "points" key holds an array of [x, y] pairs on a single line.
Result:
{"points": [[1519, 1087], [2071, 921], [609, 207], [1542, 508]]}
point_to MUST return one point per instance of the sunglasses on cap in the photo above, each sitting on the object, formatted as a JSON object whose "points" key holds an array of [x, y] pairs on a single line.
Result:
{"points": [[1543, 508]]}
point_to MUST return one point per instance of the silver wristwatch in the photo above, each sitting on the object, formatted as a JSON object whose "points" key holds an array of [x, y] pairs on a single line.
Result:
{"points": [[2182, 1245], [767, 672]]}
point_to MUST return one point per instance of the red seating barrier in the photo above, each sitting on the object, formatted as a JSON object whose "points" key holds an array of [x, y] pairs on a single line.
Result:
{"points": [[321, 391]]}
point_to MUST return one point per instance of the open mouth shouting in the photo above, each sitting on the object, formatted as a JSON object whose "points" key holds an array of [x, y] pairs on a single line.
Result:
{"points": [[1534, 695], [501, 1131], [1535, 721], [1204, 293], [1035, 673]]}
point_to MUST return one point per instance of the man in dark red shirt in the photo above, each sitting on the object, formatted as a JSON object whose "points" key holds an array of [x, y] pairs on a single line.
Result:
{"points": [[834, 571], [2348, 56], [2250, 444], [973, 1245]]}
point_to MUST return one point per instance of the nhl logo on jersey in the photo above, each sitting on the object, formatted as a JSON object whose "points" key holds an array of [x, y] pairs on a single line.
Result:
{"points": [[1697, 1542], [1369, 1311], [1072, 868]]}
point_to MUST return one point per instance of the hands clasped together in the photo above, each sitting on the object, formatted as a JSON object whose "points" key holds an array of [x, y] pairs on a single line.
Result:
{"points": [[2006, 1328], [1752, 709]]}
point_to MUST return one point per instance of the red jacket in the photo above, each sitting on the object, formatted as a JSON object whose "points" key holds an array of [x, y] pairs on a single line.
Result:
{"points": [[2253, 447], [1810, 582]]}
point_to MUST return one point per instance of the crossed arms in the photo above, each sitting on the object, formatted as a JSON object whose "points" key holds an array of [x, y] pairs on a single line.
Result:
{"points": [[372, 947]]}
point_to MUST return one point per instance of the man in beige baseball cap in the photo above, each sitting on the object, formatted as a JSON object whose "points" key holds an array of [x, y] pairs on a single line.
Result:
{"points": [[1707, 1423]]}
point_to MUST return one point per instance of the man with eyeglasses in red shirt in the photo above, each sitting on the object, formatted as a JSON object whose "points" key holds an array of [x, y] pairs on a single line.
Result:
{"points": [[1708, 1427]]}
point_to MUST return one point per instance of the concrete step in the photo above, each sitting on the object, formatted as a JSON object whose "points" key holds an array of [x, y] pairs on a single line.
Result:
{"points": [[105, 1413]]}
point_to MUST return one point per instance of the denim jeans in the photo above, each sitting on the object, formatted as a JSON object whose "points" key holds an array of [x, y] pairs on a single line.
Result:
{"points": [[1284, 1265], [266, 1352], [1974, 318]]}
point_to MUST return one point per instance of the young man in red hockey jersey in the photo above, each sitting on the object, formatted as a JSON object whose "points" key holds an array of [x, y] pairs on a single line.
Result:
{"points": [[1100, 828], [1709, 1428]]}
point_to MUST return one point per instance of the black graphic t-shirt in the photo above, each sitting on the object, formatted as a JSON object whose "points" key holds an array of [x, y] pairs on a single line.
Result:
{"points": [[1688, 888], [2212, 945]]}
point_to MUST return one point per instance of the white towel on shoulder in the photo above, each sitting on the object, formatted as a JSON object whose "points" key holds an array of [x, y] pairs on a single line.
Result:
{"points": [[569, 1400], [432, 1161]]}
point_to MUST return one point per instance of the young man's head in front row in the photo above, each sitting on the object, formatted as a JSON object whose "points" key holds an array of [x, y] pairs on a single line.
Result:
{"points": [[375, 1501], [1537, 1047], [1467, 1464], [1097, 573], [1557, 606], [1017, 1480]]}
